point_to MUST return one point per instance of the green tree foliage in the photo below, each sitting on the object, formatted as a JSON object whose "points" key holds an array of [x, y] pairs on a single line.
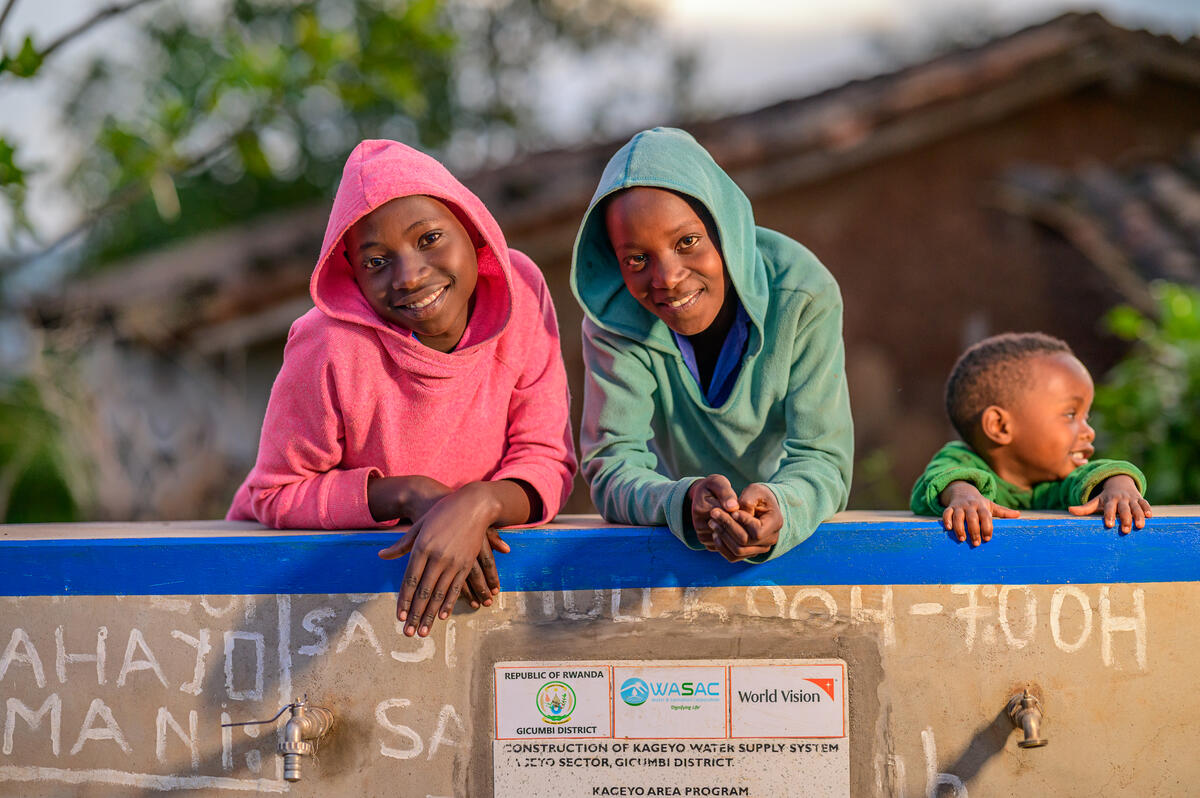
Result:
{"points": [[208, 115], [1148, 406]]}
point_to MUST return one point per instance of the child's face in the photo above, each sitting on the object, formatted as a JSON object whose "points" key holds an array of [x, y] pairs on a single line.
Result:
{"points": [[1051, 435], [670, 260], [415, 264]]}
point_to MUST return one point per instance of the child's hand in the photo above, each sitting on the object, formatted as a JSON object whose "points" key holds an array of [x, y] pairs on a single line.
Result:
{"points": [[750, 530], [483, 581], [704, 496], [407, 497], [1119, 497], [969, 513], [445, 543]]}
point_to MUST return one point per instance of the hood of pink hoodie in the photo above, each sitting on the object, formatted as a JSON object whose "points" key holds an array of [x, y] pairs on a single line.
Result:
{"points": [[377, 172]]}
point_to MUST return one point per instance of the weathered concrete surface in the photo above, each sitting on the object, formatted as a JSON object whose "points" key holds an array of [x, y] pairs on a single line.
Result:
{"points": [[930, 669]]}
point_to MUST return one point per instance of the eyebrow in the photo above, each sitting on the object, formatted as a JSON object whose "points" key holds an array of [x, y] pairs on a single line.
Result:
{"points": [[419, 222], [674, 231], [368, 244], [684, 226]]}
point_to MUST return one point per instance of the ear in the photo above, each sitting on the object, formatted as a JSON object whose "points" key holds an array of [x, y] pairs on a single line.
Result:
{"points": [[996, 424]]}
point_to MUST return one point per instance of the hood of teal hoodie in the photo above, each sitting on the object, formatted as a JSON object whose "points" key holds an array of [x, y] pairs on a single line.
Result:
{"points": [[377, 172], [671, 159]]}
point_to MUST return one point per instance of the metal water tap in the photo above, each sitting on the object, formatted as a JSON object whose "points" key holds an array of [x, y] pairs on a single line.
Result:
{"points": [[1025, 712], [301, 733]]}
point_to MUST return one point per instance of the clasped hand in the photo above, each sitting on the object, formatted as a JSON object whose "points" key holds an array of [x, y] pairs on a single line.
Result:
{"points": [[735, 526]]}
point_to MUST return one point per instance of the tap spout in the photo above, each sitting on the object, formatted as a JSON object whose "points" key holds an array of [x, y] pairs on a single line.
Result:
{"points": [[300, 735], [1025, 712]]}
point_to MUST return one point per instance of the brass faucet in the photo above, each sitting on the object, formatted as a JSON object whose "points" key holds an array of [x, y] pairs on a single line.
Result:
{"points": [[1025, 712], [301, 733]]}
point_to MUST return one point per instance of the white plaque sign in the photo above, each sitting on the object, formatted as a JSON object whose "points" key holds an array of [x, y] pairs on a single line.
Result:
{"points": [[764, 728]]}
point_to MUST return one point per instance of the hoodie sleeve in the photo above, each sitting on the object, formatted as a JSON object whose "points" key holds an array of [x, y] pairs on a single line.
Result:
{"points": [[1078, 486], [297, 481], [618, 405], [539, 448], [813, 480], [954, 462]]}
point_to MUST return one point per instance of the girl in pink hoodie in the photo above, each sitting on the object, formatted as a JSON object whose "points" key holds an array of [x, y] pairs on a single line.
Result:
{"points": [[427, 385]]}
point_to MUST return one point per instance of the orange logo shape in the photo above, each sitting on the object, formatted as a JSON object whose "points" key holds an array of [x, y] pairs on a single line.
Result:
{"points": [[824, 684]]}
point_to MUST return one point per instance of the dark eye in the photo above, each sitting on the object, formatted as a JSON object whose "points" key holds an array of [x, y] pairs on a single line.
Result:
{"points": [[689, 241], [1071, 414], [635, 262], [429, 238], [374, 263]]}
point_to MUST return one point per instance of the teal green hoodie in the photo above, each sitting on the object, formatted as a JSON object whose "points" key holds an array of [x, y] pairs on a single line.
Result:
{"points": [[647, 432]]}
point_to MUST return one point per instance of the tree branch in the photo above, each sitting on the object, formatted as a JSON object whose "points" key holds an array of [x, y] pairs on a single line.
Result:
{"points": [[119, 201], [8, 7], [112, 10]]}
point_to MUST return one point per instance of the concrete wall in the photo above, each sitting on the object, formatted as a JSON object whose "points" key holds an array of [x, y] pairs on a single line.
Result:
{"points": [[124, 647]]}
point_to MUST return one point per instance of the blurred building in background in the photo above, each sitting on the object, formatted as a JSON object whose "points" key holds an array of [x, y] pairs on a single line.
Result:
{"points": [[1030, 183]]}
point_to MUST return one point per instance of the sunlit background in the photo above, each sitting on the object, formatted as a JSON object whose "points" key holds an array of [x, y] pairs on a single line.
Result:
{"points": [[961, 167]]}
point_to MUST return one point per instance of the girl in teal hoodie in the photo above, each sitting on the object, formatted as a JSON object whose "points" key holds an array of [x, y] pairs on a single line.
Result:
{"points": [[715, 396]]}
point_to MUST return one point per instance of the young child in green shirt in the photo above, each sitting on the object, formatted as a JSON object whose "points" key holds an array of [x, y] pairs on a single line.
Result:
{"points": [[1020, 403]]}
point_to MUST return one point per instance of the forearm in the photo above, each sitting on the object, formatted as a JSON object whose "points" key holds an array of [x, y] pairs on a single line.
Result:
{"points": [[389, 498], [502, 502], [625, 493]]}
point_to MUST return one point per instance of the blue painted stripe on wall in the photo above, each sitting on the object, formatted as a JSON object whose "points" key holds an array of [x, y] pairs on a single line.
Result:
{"points": [[1021, 552]]}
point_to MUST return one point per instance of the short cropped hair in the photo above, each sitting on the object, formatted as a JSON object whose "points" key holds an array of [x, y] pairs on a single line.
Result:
{"points": [[993, 372]]}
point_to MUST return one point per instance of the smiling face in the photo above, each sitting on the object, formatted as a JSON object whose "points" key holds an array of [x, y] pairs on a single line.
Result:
{"points": [[1050, 433], [670, 259], [415, 264]]}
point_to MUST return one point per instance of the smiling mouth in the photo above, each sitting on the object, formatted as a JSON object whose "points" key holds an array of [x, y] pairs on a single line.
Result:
{"points": [[683, 302], [425, 302], [1081, 457]]}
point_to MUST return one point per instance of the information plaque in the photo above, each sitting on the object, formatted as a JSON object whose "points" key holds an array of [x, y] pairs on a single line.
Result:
{"points": [[757, 728]]}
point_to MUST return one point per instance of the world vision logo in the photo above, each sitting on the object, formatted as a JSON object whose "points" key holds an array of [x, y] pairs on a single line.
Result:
{"points": [[775, 695], [555, 702]]}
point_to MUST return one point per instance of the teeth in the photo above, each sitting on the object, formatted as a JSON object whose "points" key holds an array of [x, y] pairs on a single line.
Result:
{"points": [[429, 300], [683, 300]]}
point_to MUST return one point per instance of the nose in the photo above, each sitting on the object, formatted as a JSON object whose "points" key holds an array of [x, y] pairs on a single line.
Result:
{"points": [[408, 273], [667, 274], [1088, 434]]}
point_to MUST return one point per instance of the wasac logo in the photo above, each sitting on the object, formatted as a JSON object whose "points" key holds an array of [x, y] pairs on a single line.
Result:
{"points": [[635, 691]]}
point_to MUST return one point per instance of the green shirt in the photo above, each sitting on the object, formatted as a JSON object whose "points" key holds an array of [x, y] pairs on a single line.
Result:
{"points": [[957, 461]]}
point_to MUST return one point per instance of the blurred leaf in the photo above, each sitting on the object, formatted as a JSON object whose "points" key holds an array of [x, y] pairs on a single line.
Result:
{"points": [[25, 64], [10, 173], [1126, 323], [250, 150]]}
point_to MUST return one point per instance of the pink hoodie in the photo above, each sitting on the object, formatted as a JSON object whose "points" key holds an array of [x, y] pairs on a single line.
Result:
{"points": [[357, 396]]}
